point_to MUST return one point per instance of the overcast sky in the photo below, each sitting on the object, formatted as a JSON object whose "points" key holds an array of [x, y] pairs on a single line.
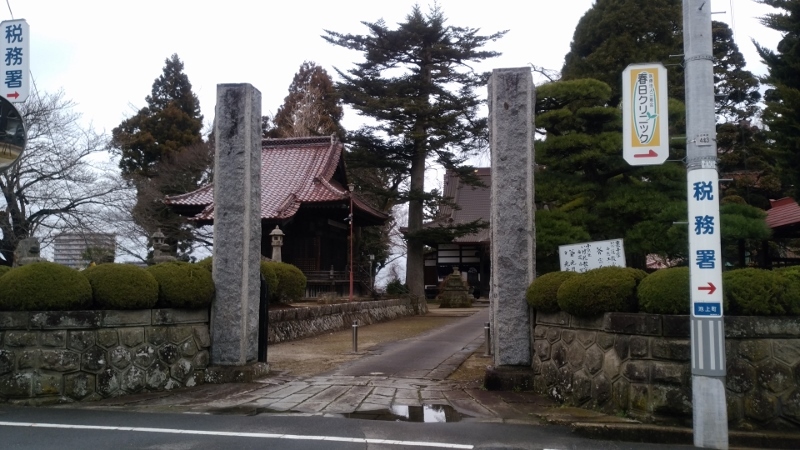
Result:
{"points": [[105, 54]]}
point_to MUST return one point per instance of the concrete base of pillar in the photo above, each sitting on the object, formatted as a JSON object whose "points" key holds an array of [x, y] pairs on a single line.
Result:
{"points": [[508, 378], [710, 412], [236, 374]]}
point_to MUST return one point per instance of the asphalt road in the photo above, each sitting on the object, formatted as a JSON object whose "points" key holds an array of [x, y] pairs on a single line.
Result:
{"points": [[60, 429], [421, 356]]}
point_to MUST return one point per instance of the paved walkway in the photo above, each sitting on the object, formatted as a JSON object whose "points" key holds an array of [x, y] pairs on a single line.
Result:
{"points": [[376, 385]]}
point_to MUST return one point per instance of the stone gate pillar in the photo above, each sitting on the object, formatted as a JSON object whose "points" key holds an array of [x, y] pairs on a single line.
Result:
{"points": [[237, 225], [511, 112]]}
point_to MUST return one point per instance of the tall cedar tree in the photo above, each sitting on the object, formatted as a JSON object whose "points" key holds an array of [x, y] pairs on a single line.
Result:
{"points": [[615, 33], [417, 83], [782, 114], [152, 143], [312, 108]]}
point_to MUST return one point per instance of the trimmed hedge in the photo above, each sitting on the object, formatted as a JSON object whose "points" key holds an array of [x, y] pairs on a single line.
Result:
{"points": [[44, 286], [4, 270], [542, 294], [182, 285], [665, 291], [291, 284], [206, 263], [598, 291], [759, 292], [268, 272], [122, 286]]}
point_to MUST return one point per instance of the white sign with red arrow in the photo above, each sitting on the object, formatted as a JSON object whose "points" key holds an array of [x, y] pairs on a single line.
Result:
{"points": [[645, 130], [704, 243], [16, 60]]}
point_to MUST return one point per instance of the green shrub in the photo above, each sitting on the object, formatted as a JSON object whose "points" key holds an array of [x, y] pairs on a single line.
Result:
{"points": [[44, 286], [792, 294], [598, 291], [182, 285], [542, 293], [396, 287], [665, 291], [122, 286], [268, 272], [759, 292], [206, 263], [4, 270], [291, 284]]}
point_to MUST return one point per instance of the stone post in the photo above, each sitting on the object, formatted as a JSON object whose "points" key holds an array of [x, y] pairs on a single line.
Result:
{"points": [[237, 225], [511, 110]]}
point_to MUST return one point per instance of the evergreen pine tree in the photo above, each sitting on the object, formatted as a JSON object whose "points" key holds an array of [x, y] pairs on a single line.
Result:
{"points": [[782, 113], [162, 152], [416, 83], [312, 107]]}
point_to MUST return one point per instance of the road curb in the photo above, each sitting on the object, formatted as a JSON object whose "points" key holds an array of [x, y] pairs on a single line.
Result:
{"points": [[683, 436]]}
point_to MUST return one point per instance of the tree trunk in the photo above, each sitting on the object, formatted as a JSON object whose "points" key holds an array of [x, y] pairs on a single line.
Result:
{"points": [[414, 257]]}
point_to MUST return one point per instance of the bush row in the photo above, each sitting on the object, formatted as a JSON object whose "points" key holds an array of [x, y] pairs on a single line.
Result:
{"points": [[47, 286], [285, 282], [746, 292]]}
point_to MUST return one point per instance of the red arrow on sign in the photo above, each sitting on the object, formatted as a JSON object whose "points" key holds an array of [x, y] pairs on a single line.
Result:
{"points": [[650, 154], [14, 95], [710, 288]]}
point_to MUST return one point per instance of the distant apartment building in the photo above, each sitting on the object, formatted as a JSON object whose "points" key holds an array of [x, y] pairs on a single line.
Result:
{"points": [[77, 250]]}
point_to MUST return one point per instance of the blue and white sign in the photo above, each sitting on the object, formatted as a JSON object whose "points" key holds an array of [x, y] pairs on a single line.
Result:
{"points": [[16, 56], [704, 242]]}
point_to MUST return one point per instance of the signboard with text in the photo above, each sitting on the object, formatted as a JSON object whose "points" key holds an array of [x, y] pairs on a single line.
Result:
{"points": [[15, 74], [645, 130], [704, 242], [591, 255]]}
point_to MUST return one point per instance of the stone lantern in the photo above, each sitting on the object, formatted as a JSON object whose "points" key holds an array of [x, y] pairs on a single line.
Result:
{"points": [[160, 248], [277, 242]]}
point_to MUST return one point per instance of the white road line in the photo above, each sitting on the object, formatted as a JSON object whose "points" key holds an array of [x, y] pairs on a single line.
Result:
{"points": [[233, 434]]}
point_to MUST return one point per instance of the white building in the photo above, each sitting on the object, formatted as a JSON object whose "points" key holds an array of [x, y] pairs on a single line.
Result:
{"points": [[72, 249]]}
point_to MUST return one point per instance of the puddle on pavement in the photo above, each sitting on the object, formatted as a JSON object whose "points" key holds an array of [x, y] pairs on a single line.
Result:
{"points": [[403, 413]]}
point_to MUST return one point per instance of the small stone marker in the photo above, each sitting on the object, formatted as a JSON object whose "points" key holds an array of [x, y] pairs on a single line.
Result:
{"points": [[454, 293]]}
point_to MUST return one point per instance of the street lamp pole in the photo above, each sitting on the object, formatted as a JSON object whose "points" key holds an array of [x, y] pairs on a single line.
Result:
{"points": [[352, 188]]}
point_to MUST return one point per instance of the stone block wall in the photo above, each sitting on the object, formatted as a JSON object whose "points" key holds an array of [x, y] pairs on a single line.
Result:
{"points": [[50, 357], [297, 323], [639, 365]]}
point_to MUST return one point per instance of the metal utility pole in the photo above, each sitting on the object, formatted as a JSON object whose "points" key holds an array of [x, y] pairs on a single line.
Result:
{"points": [[707, 325]]}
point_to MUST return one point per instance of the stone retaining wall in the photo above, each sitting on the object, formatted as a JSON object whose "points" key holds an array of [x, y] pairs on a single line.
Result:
{"points": [[639, 364], [297, 323], [50, 357], [63, 356]]}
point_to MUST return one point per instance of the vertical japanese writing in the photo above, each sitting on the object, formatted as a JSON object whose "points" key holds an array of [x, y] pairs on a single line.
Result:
{"points": [[15, 59]]}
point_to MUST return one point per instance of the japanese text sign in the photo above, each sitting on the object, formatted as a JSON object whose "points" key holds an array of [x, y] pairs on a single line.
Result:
{"points": [[645, 131], [15, 74], [591, 255], [704, 242]]}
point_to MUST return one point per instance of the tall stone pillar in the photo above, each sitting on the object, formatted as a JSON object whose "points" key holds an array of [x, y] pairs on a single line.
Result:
{"points": [[511, 111], [237, 225]]}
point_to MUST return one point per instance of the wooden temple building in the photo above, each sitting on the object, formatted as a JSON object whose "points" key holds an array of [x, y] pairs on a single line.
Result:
{"points": [[471, 253], [304, 192]]}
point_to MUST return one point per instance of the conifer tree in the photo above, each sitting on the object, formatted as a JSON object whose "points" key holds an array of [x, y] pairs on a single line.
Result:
{"points": [[417, 84], [782, 113], [312, 108], [162, 152]]}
